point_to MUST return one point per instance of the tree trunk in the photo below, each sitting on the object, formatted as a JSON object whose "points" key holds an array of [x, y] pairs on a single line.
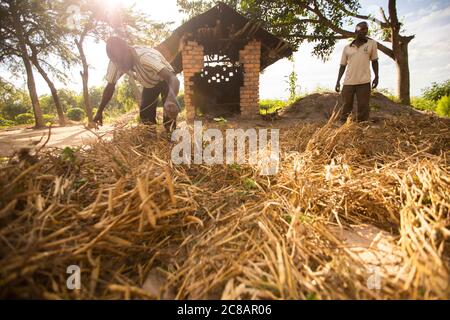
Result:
{"points": [[85, 77], [403, 78], [39, 119], [59, 109], [400, 50]]}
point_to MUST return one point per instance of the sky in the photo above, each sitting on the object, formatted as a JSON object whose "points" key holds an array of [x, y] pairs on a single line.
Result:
{"points": [[429, 51]]}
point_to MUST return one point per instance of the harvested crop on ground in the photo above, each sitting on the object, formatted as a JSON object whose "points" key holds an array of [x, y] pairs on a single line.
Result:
{"points": [[357, 211]]}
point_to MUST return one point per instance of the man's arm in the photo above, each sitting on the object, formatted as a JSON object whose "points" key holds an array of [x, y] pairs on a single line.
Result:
{"points": [[171, 105], [172, 82], [375, 70], [341, 73], [106, 98]]}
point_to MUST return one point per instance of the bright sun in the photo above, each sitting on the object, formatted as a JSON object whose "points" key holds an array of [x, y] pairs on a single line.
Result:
{"points": [[111, 5]]}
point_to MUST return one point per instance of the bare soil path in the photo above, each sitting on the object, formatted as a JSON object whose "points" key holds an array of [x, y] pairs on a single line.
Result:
{"points": [[13, 140]]}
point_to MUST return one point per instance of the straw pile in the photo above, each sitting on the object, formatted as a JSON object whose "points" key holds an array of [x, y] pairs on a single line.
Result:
{"points": [[141, 228]]}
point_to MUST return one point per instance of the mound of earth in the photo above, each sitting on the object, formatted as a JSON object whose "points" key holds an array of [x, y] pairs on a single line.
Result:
{"points": [[320, 106]]}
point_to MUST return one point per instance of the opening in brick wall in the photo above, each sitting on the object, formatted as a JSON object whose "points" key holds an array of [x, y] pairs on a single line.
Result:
{"points": [[216, 89]]}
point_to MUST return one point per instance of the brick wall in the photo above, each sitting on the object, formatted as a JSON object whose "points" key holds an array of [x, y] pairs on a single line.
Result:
{"points": [[250, 57], [192, 57]]}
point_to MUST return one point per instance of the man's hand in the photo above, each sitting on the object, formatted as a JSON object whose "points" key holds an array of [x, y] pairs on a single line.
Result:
{"points": [[338, 87], [98, 119], [171, 109], [375, 83]]}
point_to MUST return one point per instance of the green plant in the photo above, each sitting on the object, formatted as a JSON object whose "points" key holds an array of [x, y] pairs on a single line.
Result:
{"points": [[437, 91], [268, 106], [320, 89], [76, 114], [68, 154], [49, 119], [292, 80], [24, 118], [250, 184], [421, 103], [443, 107], [5, 122], [387, 93]]}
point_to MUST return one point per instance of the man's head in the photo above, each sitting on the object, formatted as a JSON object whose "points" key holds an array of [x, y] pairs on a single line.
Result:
{"points": [[120, 53], [361, 30]]}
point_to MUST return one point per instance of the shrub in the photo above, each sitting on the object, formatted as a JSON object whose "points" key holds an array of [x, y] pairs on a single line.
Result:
{"points": [[5, 122], [443, 107], [423, 104], [76, 114], [24, 118], [387, 93], [437, 91], [268, 106], [49, 119]]}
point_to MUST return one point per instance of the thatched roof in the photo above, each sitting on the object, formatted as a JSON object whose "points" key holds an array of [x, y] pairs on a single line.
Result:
{"points": [[223, 30]]}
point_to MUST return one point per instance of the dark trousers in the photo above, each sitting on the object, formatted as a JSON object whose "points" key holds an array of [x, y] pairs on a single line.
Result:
{"points": [[150, 102], [362, 92]]}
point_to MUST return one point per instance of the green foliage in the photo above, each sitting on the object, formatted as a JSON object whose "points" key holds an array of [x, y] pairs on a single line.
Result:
{"points": [[124, 99], [295, 21], [388, 94], [193, 8], [5, 122], [13, 101], [292, 80], [443, 107], [249, 184], [268, 106], [437, 90], [49, 119], [76, 114], [423, 104], [68, 155], [320, 89], [24, 118]]}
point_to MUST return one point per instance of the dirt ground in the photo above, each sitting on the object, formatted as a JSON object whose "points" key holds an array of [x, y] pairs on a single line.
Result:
{"points": [[13, 140]]}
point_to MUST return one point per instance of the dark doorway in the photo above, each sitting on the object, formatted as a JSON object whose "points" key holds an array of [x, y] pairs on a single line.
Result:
{"points": [[217, 90]]}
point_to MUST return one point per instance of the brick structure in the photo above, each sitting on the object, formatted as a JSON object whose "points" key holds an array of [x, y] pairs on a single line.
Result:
{"points": [[221, 53], [250, 58], [193, 60]]}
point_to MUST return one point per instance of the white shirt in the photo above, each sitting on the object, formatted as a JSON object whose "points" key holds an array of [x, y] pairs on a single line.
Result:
{"points": [[149, 63], [358, 61]]}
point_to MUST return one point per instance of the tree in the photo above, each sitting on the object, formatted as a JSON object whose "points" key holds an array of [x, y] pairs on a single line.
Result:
{"points": [[193, 8], [50, 42], [13, 101], [44, 40], [322, 22], [16, 23]]}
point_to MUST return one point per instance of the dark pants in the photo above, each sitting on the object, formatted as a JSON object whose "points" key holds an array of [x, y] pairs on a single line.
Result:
{"points": [[150, 102], [362, 92]]}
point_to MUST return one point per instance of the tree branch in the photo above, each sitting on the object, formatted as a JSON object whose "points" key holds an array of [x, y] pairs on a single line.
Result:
{"points": [[360, 16]]}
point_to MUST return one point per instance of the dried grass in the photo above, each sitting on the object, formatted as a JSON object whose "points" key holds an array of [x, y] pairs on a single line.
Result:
{"points": [[120, 210]]}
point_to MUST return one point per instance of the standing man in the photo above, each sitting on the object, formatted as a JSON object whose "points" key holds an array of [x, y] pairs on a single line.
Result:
{"points": [[152, 71], [357, 55]]}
